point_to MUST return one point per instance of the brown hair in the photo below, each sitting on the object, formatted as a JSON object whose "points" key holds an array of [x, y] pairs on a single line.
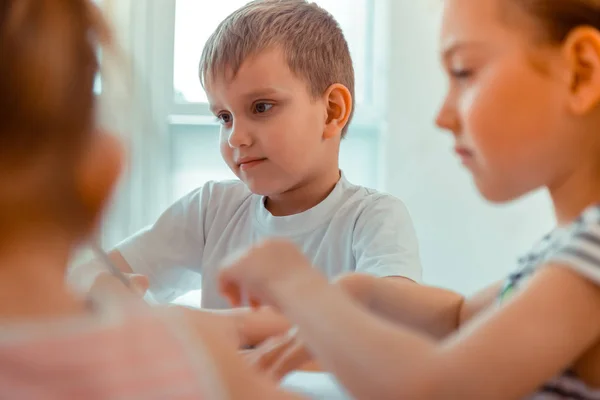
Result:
{"points": [[312, 41], [559, 17], [48, 65]]}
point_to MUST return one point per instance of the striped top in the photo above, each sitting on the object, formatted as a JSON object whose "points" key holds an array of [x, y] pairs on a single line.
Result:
{"points": [[120, 351], [578, 247]]}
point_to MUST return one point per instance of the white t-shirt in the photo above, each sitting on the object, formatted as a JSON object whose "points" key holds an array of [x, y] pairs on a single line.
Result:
{"points": [[353, 230]]}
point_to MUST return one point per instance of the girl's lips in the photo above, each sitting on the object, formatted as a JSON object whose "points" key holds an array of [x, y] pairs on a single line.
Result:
{"points": [[465, 154]]}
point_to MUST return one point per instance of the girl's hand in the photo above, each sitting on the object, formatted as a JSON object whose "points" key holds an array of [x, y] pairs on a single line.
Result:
{"points": [[271, 273], [280, 355]]}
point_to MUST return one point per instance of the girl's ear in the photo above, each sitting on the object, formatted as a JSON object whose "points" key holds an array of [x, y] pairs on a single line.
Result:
{"points": [[582, 52], [97, 175]]}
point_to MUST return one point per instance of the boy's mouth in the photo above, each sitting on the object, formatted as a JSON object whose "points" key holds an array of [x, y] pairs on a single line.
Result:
{"points": [[247, 163]]}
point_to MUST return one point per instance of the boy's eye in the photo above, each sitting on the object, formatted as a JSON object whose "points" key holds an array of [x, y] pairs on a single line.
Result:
{"points": [[260, 108], [224, 118]]}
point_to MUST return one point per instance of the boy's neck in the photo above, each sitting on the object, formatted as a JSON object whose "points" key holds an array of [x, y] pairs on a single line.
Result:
{"points": [[32, 280], [304, 196]]}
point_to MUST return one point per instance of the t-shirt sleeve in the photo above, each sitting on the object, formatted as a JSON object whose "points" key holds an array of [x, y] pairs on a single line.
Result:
{"points": [[385, 242], [582, 252], [170, 251]]}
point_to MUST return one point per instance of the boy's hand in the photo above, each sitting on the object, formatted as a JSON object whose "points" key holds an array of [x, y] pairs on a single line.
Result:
{"points": [[271, 272], [278, 356], [106, 282], [257, 326]]}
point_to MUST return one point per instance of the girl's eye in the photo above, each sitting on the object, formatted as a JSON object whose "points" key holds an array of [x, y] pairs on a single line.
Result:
{"points": [[461, 74], [260, 108]]}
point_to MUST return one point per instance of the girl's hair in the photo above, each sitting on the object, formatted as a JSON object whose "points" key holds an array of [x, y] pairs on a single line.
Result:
{"points": [[48, 66], [559, 17]]}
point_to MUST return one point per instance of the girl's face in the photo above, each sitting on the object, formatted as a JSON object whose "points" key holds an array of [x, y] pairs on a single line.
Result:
{"points": [[506, 103]]}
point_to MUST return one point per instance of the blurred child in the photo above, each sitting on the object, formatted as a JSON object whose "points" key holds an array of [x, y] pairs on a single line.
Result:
{"points": [[279, 79], [56, 173], [524, 108]]}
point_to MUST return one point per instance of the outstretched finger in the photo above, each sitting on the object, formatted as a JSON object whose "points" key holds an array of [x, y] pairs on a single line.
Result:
{"points": [[268, 352], [290, 360]]}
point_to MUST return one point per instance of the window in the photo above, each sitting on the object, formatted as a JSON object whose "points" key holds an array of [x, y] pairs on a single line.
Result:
{"points": [[193, 156]]}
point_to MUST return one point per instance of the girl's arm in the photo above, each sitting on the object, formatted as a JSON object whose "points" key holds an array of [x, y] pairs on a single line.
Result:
{"points": [[433, 311], [503, 354]]}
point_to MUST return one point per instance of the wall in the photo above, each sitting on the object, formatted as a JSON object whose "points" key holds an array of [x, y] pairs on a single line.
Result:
{"points": [[465, 242]]}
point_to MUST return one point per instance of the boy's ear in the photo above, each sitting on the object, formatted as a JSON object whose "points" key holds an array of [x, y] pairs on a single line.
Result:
{"points": [[582, 53], [98, 173], [339, 108]]}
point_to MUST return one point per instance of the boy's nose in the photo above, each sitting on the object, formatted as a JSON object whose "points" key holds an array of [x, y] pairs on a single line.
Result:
{"points": [[239, 137]]}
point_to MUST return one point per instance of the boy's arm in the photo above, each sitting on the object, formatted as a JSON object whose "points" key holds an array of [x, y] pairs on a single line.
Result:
{"points": [[384, 242], [252, 326], [435, 311], [87, 275], [256, 326], [168, 253]]}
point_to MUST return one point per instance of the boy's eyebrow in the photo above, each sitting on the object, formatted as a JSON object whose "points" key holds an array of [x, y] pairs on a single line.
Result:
{"points": [[262, 92], [251, 95]]}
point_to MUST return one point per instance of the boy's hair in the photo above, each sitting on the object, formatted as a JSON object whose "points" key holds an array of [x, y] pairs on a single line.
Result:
{"points": [[48, 65], [311, 39], [559, 17]]}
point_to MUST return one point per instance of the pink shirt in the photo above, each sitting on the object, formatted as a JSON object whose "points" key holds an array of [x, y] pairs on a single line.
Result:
{"points": [[120, 351]]}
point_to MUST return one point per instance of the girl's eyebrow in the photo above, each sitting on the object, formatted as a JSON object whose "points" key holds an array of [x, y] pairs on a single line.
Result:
{"points": [[455, 46]]}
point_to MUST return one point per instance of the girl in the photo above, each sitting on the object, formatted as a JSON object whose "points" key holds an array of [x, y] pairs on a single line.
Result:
{"points": [[524, 108], [56, 174]]}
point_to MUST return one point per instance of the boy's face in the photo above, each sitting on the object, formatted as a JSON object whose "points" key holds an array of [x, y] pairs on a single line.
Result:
{"points": [[505, 104], [271, 126]]}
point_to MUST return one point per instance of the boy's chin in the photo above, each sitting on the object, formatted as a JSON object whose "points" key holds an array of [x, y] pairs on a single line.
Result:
{"points": [[261, 187]]}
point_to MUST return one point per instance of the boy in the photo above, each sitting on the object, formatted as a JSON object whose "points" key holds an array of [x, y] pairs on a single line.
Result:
{"points": [[284, 98]]}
